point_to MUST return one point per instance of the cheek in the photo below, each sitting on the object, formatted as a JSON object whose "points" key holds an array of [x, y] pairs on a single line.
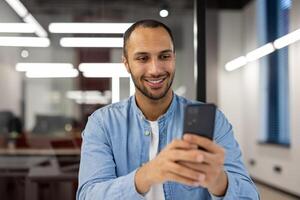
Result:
{"points": [[137, 73]]}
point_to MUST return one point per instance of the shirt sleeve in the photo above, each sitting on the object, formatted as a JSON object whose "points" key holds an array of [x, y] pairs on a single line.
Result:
{"points": [[240, 186], [97, 174]]}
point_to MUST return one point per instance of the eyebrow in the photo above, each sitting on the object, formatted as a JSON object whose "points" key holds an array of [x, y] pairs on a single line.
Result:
{"points": [[145, 53]]}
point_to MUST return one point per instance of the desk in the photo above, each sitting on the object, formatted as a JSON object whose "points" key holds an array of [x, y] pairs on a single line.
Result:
{"points": [[38, 152], [40, 173], [58, 182]]}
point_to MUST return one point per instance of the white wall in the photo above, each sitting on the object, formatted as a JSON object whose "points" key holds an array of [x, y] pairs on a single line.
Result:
{"points": [[240, 98], [229, 84]]}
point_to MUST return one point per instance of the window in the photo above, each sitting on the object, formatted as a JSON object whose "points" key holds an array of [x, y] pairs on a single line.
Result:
{"points": [[275, 14]]}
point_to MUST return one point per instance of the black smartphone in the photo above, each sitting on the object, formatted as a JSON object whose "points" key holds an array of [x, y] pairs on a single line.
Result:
{"points": [[199, 119]]}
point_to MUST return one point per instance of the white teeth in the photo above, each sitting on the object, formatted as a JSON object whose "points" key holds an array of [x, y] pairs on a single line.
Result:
{"points": [[157, 81]]}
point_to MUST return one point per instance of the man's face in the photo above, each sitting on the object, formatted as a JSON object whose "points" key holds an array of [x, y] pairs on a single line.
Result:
{"points": [[151, 61]]}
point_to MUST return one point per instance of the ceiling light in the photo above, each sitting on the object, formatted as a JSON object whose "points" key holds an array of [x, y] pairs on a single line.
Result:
{"points": [[24, 41], [260, 52], [104, 70], [16, 28], [164, 13], [23, 67], [90, 97], [91, 42], [24, 53], [236, 63], [287, 39], [264, 50], [89, 27], [39, 30], [18, 7], [63, 73]]}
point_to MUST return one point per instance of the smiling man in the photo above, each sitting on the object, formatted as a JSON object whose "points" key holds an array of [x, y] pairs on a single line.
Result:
{"points": [[134, 149]]}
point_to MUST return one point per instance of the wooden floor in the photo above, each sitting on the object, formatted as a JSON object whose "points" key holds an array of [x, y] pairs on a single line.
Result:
{"points": [[267, 193]]}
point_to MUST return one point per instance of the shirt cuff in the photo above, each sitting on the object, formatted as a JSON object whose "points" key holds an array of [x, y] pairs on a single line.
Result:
{"points": [[130, 181], [231, 188]]}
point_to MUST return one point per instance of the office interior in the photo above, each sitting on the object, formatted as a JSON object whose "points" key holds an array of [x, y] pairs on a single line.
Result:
{"points": [[50, 83]]}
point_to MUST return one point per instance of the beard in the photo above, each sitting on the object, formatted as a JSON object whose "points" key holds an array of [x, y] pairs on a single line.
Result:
{"points": [[146, 92]]}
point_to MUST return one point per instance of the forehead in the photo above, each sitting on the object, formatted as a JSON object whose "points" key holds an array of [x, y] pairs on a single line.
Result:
{"points": [[149, 40]]}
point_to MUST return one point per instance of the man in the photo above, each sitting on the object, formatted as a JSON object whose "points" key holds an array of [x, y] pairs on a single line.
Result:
{"points": [[134, 149]]}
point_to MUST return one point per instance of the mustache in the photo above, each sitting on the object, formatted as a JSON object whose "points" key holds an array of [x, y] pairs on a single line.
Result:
{"points": [[157, 76]]}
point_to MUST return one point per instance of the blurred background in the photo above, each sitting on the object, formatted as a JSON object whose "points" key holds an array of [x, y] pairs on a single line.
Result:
{"points": [[60, 60]]}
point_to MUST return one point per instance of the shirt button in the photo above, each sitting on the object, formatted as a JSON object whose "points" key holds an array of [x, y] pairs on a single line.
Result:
{"points": [[147, 133]]}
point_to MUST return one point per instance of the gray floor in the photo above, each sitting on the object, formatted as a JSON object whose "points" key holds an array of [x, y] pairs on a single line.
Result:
{"points": [[267, 193]]}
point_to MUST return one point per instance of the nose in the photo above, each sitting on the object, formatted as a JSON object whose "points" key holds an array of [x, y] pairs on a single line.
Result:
{"points": [[155, 67]]}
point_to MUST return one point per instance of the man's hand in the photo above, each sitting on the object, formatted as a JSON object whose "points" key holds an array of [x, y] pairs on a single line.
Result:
{"points": [[165, 167], [212, 166]]}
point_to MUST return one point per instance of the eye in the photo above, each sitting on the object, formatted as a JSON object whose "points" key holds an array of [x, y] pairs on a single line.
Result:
{"points": [[165, 56], [142, 58]]}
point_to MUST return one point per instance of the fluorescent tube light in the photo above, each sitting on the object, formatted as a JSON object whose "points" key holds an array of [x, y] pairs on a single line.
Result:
{"points": [[23, 67], [89, 27], [16, 28], [24, 41], [236, 63], [91, 42], [18, 7], [260, 52], [39, 30], [264, 50], [287, 39], [90, 97], [103, 70], [66, 73]]}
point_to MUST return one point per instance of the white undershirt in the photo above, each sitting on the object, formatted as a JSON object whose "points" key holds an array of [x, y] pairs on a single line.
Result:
{"points": [[156, 192]]}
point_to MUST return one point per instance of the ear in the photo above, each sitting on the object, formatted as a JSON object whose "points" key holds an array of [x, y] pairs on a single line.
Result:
{"points": [[125, 61]]}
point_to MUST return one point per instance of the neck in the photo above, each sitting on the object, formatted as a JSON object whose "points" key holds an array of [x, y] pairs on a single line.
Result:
{"points": [[153, 109]]}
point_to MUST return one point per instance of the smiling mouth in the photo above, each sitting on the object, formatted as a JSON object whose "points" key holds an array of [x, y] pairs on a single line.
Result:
{"points": [[155, 82]]}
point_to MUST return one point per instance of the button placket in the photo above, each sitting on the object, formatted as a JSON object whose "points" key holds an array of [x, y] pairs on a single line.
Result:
{"points": [[147, 133]]}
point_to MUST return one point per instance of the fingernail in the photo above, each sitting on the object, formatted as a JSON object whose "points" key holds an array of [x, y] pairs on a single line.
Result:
{"points": [[187, 137]]}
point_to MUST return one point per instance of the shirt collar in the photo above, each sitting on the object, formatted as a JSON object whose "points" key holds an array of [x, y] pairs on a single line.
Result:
{"points": [[162, 117]]}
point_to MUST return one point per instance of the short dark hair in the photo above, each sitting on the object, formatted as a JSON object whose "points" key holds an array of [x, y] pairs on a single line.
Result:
{"points": [[146, 23]]}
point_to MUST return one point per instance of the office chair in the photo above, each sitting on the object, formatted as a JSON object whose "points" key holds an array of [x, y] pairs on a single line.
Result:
{"points": [[6, 118]]}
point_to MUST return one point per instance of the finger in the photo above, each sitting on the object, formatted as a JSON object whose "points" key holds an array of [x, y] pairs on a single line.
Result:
{"points": [[202, 142], [192, 155], [181, 144], [185, 172], [200, 167], [180, 179], [213, 158], [207, 170]]}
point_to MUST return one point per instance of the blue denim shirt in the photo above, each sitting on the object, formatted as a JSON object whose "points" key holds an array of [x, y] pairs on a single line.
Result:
{"points": [[116, 143]]}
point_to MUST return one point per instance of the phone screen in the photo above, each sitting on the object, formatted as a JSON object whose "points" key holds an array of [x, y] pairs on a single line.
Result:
{"points": [[199, 119]]}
